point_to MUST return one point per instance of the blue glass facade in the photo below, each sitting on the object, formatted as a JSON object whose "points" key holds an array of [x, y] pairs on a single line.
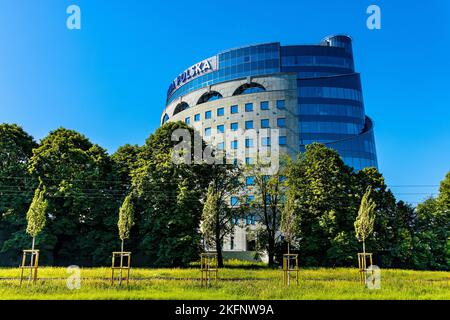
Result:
{"points": [[330, 100], [330, 106], [234, 64]]}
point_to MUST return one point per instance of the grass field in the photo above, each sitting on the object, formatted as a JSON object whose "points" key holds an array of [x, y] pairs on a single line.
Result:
{"points": [[235, 283]]}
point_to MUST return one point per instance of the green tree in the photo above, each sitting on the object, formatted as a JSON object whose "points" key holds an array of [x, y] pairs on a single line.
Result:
{"points": [[36, 215], [268, 204], [217, 211], [365, 220], [289, 222], [432, 231], [77, 175], [388, 236], [324, 202], [170, 206], [126, 217], [16, 190], [125, 160]]}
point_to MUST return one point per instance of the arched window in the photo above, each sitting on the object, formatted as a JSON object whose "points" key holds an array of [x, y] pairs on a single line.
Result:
{"points": [[165, 119], [180, 107], [249, 88], [209, 96]]}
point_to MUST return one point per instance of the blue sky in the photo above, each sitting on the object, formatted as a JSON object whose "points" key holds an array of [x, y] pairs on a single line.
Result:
{"points": [[109, 79]]}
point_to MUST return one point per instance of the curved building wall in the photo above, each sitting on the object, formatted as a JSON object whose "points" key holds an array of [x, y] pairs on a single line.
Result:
{"points": [[317, 85]]}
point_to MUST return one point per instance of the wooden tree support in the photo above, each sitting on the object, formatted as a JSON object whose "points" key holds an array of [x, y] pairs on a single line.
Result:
{"points": [[363, 258], [32, 265], [124, 263], [209, 266], [290, 264]]}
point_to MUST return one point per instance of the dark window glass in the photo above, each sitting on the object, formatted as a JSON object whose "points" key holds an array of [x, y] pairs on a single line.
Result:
{"points": [[280, 104], [248, 88], [265, 123], [265, 142], [209, 96], [264, 105]]}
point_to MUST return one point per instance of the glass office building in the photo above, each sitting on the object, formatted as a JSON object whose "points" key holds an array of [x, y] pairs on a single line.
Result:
{"points": [[310, 92]]}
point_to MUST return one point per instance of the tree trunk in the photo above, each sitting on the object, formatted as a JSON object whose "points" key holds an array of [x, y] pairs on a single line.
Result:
{"points": [[121, 263], [271, 251], [31, 260], [289, 261], [219, 254], [364, 261], [218, 242]]}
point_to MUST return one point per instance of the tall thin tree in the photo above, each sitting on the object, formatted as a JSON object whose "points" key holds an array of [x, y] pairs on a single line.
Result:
{"points": [[36, 217], [366, 218], [126, 217]]}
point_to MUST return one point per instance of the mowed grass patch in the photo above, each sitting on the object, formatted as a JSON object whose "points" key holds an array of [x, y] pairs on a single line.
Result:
{"points": [[234, 283]]}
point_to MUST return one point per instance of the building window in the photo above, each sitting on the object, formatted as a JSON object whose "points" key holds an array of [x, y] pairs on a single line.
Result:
{"points": [[235, 162], [208, 114], [280, 104], [248, 88], [220, 112], [197, 117], [282, 140], [248, 107], [220, 146], [264, 105], [207, 132], [234, 202], [249, 124], [248, 161], [234, 144], [265, 142], [180, 107], [220, 128], [234, 109], [281, 122], [165, 119], [249, 143], [209, 96], [250, 199], [234, 126], [187, 120], [250, 181], [265, 123]]}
